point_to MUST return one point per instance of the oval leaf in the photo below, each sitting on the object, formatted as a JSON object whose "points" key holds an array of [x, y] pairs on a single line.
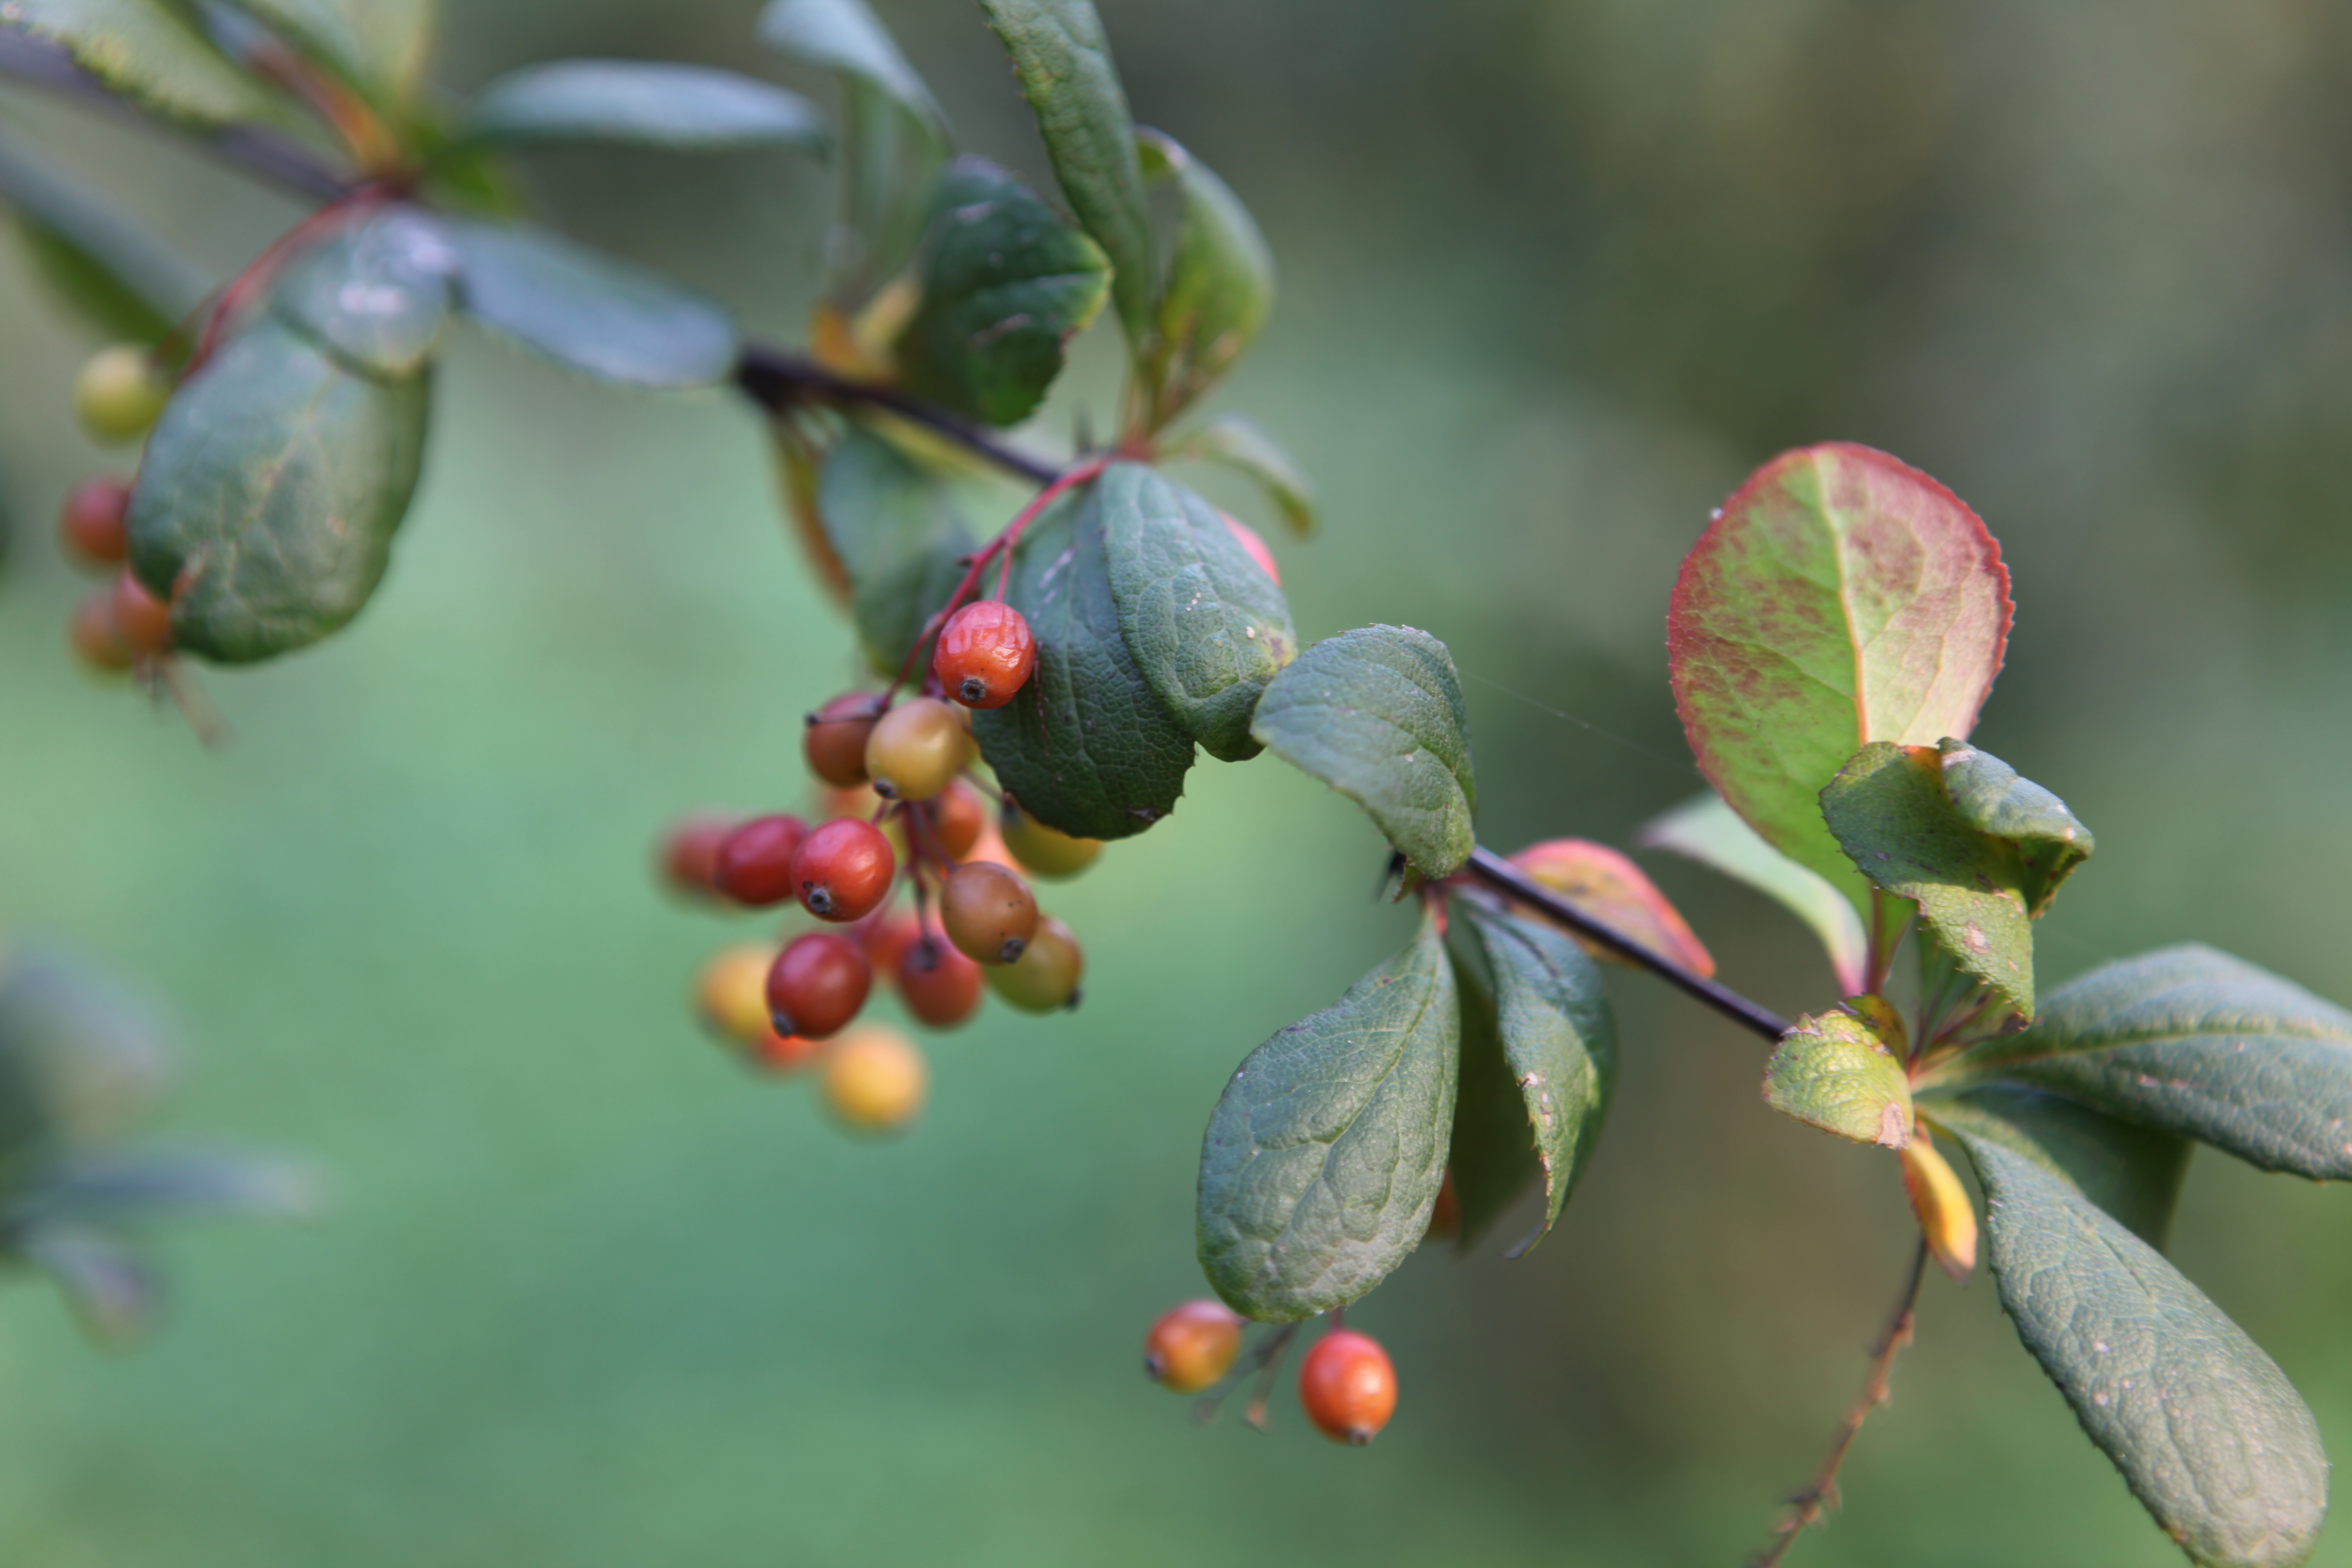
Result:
{"points": [[589, 312], [1709, 832], [1005, 283], [148, 51], [1538, 1063], [1842, 1072], [1376, 713], [1205, 625], [1606, 885], [379, 46], [1839, 597], [377, 292], [106, 264], [1086, 746], [2197, 1043], [1219, 283], [268, 497], [845, 36], [640, 103], [2134, 1173], [2208, 1432], [898, 534], [1993, 800], [1324, 1157], [1064, 62]]}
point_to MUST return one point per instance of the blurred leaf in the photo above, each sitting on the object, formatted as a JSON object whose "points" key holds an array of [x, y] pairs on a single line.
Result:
{"points": [[1706, 830], [800, 457], [1324, 1156], [1839, 598], [1842, 1072], [1888, 811], [113, 1292], [1539, 1062], [267, 500], [126, 279], [148, 51], [106, 1190], [80, 1060], [1610, 887], [376, 291], [894, 138], [1992, 799], [380, 46], [589, 312], [1206, 626], [2133, 1172], [642, 103], [1240, 443], [1005, 283], [2199, 1043], [898, 534], [1064, 62], [1086, 746], [1376, 713], [2208, 1432], [1219, 285]]}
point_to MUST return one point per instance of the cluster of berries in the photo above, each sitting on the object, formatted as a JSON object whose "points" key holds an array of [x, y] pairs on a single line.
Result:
{"points": [[903, 808], [122, 627], [1346, 1383]]}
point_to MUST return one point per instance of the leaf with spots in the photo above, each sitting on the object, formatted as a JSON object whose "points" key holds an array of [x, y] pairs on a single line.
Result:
{"points": [[2134, 1173], [151, 52], [377, 292], [1989, 796], [1842, 1072], [1604, 884], [1323, 1159]]}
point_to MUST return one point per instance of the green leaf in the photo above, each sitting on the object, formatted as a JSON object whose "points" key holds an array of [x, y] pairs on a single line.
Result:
{"points": [[1376, 713], [589, 312], [1539, 1064], [1219, 282], [2199, 1043], [1086, 746], [2208, 1432], [1839, 598], [1842, 1072], [267, 500], [1992, 799], [1240, 443], [376, 292], [113, 1292], [148, 51], [1204, 625], [1888, 810], [1706, 830], [1324, 1156], [380, 46], [1064, 62], [2134, 1173], [846, 36], [104, 262], [640, 103], [1005, 283], [898, 532]]}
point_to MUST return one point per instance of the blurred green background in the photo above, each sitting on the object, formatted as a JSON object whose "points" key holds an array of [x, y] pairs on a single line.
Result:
{"points": [[1556, 275]]}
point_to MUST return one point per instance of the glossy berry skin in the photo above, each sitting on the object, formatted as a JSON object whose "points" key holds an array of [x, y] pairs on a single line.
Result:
{"points": [[731, 992], [957, 820], [1249, 539], [988, 912], [1044, 978], [780, 1054], [817, 984], [875, 1080], [1192, 1345], [119, 393], [842, 869], [1348, 1387], [835, 741], [984, 654], [689, 858], [916, 750], [940, 985], [886, 938], [94, 526], [96, 640], [145, 620], [754, 864], [1045, 851]]}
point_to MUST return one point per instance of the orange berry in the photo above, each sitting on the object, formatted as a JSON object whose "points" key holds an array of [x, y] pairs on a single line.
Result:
{"points": [[875, 1080], [988, 912], [984, 654], [731, 992], [1192, 1345], [96, 640], [781, 1054], [145, 620], [1348, 1386], [957, 820]]}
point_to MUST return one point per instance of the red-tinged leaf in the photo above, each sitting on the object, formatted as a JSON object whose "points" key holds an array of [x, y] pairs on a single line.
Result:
{"points": [[1606, 885], [1838, 599]]}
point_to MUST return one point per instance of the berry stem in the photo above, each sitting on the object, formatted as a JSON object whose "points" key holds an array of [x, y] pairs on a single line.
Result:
{"points": [[1009, 539]]}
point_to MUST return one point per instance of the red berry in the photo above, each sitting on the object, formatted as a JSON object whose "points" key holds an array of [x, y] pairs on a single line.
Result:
{"points": [[689, 855], [780, 1054], [755, 862], [1249, 539], [97, 641], [984, 654], [1348, 1386], [817, 984], [145, 620], [988, 912], [834, 742], [843, 869], [941, 985], [886, 937], [1192, 1345], [957, 820], [94, 524]]}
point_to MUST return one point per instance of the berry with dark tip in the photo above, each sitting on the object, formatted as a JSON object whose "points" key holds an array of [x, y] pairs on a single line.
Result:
{"points": [[1192, 1345], [987, 911], [843, 869], [984, 654], [817, 984], [835, 741], [1348, 1387], [940, 985], [916, 750], [1044, 978]]}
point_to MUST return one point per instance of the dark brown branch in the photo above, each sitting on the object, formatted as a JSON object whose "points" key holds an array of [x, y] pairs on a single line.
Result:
{"points": [[1820, 1496], [777, 378], [1501, 874]]}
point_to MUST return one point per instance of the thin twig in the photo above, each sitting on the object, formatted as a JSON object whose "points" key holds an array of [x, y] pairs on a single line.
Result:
{"points": [[778, 379], [1497, 872], [1820, 1496]]}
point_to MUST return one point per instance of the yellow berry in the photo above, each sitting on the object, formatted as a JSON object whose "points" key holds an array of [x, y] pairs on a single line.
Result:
{"points": [[875, 1079], [119, 394]]}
